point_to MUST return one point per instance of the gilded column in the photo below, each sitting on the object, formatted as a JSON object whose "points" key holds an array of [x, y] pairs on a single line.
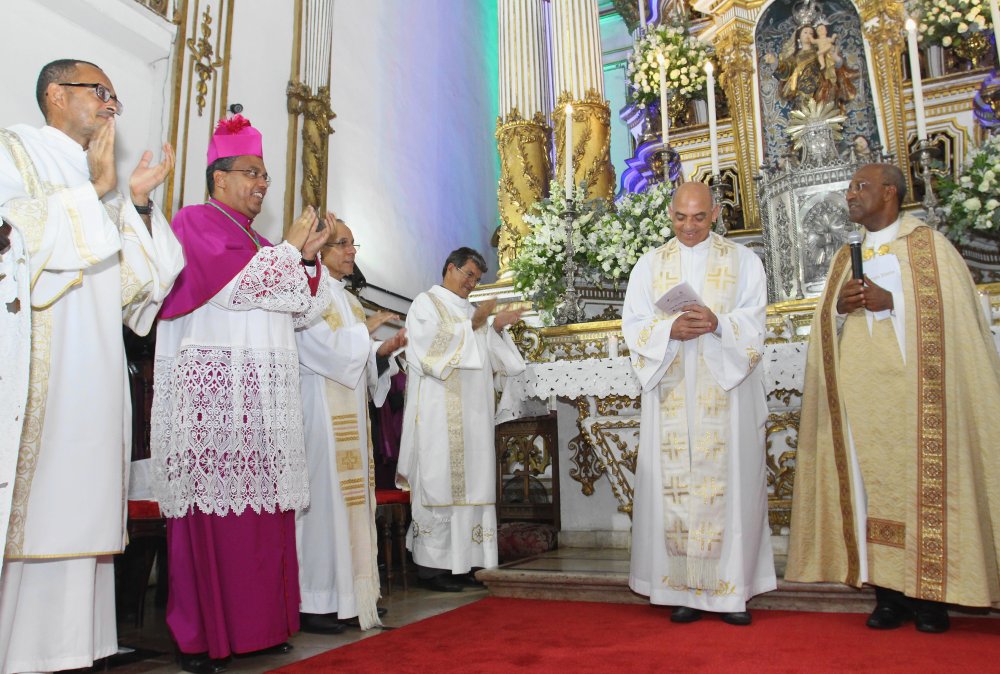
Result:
{"points": [[578, 77], [309, 97], [883, 22], [522, 133], [734, 48]]}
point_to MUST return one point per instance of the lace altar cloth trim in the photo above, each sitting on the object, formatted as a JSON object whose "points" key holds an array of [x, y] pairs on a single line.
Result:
{"points": [[784, 366], [227, 432]]}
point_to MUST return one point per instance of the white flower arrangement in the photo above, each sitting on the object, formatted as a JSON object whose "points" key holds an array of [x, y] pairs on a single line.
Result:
{"points": [[971, 202], [683, 57], [949, 22], [606, 245], [640, 223]]}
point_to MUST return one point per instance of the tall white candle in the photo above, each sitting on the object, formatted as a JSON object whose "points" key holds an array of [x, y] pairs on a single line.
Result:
{"points": [[918, 90], [664, 117], [569, 151], [995, 18], [713, 131], [642, 15]]}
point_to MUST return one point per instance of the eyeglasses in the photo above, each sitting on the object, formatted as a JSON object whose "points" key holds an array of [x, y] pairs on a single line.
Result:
{"points": [[343, 244], [858, 185], [469, 275], [253, 173], [101, 91]]}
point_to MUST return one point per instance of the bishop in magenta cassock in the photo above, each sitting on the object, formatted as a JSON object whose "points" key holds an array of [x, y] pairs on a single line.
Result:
{"points": [[227, 437]]}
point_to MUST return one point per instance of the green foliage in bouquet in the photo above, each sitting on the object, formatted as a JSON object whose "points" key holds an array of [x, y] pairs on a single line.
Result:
{"points": [[971, 202]]}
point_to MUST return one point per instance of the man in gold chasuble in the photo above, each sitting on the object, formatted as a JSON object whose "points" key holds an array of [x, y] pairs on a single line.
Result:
{"points": [[898, 478]]}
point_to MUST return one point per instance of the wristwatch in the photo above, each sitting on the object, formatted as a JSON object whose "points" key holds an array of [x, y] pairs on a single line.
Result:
{"points": [[144, 210]]}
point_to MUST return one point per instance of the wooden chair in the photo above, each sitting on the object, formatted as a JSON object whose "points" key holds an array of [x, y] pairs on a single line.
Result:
{"points": [[392, 516]]}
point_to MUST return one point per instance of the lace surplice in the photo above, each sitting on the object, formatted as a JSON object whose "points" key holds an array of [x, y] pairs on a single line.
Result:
{"points": [[227, 413]]}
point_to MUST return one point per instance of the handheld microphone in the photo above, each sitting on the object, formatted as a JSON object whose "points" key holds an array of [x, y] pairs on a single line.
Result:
{"points": [[854, 240]]}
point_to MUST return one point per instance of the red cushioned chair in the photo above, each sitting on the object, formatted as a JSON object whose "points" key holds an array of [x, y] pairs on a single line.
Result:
{"points": [[392, 515]]}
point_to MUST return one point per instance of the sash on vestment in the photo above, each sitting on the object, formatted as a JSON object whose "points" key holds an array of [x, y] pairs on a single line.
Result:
{"points": [[357, 485]]}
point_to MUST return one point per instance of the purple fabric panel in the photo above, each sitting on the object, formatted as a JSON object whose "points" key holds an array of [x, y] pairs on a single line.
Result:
{"points": [[216, 249], [391, 418], [234, 582]]}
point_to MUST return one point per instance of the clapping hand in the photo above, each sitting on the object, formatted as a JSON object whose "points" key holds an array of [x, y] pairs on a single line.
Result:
{"points": [[505, 318], [148, 176], [101, 159], [482, 313], [378, 319], [391, 345]]}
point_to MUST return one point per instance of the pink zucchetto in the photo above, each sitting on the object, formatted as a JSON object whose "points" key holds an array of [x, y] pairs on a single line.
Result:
{"points": [[235, 137]]}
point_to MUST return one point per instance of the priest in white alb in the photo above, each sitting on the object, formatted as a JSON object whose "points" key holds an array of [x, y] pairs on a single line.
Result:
{"points": [[97, 258], [700, 540], [447, 454], [341, 366]]}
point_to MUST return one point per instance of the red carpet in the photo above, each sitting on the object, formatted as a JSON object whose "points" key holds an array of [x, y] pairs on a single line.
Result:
{"points": [[511, 635]]}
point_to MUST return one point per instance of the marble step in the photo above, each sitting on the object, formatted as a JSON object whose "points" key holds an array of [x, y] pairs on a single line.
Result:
{"points": [[613, 588]]}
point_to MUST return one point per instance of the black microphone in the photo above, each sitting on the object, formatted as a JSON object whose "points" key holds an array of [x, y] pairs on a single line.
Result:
{"points": [[854, 240]]}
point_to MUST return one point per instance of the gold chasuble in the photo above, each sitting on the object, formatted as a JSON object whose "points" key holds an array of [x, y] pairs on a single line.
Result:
{"points": [[357, 485], [920, 429]]}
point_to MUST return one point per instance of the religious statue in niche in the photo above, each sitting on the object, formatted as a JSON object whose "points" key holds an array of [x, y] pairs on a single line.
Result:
{"points": [[811, 67]]}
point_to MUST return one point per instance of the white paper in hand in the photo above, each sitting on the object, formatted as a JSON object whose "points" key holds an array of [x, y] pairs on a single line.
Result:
{"points": [[678, 297]]}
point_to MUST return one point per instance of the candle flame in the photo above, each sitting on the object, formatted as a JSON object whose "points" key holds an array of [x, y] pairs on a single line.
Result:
{"points": [[569, 109], [709, 67], [911, 25]]}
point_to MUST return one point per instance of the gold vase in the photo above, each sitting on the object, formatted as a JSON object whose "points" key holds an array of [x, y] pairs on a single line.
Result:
{"points": [[973, 48]]}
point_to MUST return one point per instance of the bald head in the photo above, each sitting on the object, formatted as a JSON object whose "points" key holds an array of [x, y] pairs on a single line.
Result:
{"points": [[692, 213], [695, 191]]}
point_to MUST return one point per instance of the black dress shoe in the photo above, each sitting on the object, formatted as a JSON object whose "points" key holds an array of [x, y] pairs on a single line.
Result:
{"points": [[684, 614], [200, 663], [441, 583], [469, 580], [737, 618], [319, 623], [887, 617], [931, 616], [279, 649]]}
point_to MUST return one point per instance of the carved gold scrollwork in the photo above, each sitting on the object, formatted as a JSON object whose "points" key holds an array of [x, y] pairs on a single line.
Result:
{"points": [[524, 169], [528, 341], [317, 112], [780, 462], [591, 143], [204, 64], [735, 49], [618, 455], [587, 468]]}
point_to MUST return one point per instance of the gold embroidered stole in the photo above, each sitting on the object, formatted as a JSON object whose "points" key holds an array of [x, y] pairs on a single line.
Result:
{"points": [[30, 216], [453, 400], [932, 486], [357, 485], [694, 474], [835, 407]]}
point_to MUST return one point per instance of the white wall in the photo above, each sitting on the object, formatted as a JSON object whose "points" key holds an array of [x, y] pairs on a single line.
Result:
{"points": [[413, 162], [130, 43]]}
